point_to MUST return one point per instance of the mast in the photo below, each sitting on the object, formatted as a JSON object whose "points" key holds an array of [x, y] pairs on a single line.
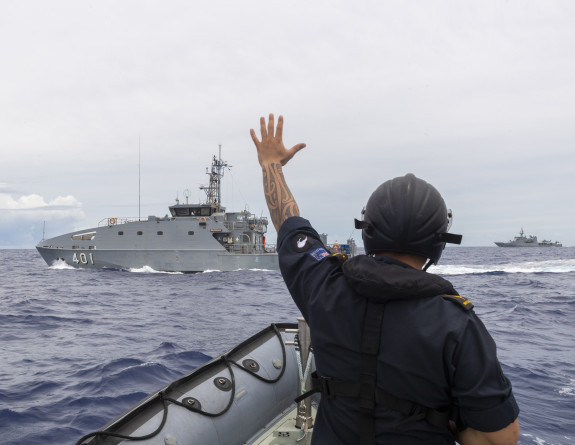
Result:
{"points": [[139, 178], [213, 190]]}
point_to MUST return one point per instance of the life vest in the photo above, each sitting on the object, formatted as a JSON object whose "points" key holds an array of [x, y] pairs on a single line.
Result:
{"points": [[366, 388]]}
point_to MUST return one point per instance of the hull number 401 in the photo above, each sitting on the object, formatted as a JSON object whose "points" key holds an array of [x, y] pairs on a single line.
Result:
{"points": [[83, 258]]}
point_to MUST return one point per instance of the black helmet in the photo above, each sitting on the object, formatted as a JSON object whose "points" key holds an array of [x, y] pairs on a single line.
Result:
{"points": [[406, 215]]}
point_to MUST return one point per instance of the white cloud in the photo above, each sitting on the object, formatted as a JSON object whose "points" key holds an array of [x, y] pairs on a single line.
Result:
{"points": [[38, 203], [22, 219]]}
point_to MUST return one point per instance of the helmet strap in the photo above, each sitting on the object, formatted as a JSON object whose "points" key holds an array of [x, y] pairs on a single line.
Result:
{"points": [[427, 265], [361, 224]]}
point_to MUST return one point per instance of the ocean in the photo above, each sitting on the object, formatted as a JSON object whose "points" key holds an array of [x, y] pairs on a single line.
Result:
{"points": [[79, 347]]}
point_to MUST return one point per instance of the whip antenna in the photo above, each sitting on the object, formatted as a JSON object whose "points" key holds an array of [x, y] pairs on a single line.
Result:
{"points": [[139, 178]]}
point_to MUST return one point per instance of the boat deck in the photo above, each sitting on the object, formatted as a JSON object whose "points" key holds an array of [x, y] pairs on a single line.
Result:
{"points": [[283, 431]]}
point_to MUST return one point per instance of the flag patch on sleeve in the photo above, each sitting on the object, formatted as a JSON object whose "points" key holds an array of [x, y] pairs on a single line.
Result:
{"points": [[319, 253]]}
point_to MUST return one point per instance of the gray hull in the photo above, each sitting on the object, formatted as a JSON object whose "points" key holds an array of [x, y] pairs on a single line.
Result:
{"points": [[159, 260], [517, 244], [528, 241], [529, 245], [163, 244]]}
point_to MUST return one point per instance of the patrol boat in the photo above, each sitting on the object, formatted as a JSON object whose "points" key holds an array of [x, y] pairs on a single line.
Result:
{"points": [[245, 396], [194, 238], [528, 241]]}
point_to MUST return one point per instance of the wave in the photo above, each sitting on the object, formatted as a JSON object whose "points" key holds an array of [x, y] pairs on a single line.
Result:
{"points": [[549, 266], [568, 390], [61, 265], [237, 270], [148, 269]]}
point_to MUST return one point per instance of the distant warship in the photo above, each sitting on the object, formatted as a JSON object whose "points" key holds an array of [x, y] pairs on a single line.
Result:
{"points": [[195, 238], [529, 241]]}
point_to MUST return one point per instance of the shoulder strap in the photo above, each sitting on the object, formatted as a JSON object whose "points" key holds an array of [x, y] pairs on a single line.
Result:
{"points": [[368, 380], [462, 301]]}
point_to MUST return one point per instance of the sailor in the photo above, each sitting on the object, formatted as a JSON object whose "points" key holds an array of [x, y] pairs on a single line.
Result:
{"points": [[401, 358]]}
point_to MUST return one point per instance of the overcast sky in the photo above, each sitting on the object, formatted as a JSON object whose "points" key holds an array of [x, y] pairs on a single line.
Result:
{"points": [[477, 97]]}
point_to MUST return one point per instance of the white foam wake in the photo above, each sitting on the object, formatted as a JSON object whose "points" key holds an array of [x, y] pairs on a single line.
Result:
{"points": [[61, 265], [569, 390], [549, 266], [148, 269]]}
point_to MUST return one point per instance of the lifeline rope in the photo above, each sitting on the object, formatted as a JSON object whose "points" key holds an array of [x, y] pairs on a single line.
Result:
{"points": [[165, 399]]}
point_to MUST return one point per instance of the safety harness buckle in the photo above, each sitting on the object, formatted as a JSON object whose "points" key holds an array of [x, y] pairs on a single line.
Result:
{"points": [[324, 386], [318, 384], [418, 412]]}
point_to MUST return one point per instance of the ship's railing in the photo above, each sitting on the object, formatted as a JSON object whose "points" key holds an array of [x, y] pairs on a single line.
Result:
{"points": [[250, 248], [241, 225], [259, 224], [114, 221]]}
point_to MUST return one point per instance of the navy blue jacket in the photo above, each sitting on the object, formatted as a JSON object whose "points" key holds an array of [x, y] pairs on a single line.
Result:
{"points": [[432, 351]]}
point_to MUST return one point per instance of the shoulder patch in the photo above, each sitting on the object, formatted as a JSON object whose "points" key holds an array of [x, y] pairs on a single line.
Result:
{"points": [[319, 253], [462, 301], [301, 242]]}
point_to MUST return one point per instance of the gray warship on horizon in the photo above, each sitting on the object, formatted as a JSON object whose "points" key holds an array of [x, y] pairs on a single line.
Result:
{"points": [[194, 238], [528, 241]]}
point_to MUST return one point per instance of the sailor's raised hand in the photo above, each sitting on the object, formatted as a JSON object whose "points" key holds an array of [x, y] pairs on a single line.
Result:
{"points": [[271, 148]]}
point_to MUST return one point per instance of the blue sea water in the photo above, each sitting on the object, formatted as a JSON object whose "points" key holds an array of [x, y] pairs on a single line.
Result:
{"points": [[79, 347]]}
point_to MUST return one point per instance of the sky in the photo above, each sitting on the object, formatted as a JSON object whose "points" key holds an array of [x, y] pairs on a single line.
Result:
{"points": [[115, 108]]}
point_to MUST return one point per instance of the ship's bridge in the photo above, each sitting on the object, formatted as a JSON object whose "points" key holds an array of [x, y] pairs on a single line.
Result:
{"points": [[183, 210]]}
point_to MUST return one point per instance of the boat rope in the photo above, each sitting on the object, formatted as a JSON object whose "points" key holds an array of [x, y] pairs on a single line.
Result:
{"points": [[122, 436], [166, 400]]}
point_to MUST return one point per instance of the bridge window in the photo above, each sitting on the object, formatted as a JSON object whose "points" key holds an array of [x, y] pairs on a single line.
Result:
{"points": [[160, 233], [182, 212], [191, 232], [120, 233], [140, 232]]}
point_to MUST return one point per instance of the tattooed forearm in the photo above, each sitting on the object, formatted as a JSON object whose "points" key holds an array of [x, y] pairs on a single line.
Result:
{"points": [[279, 198]]}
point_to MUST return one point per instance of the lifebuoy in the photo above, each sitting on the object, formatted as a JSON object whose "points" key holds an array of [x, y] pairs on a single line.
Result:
{"points": [[112, 221], [202, 219], [335, 248]]}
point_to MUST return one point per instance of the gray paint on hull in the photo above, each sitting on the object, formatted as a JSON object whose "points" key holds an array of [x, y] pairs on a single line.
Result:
{"points": [[164, 244], [160, 260]]}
